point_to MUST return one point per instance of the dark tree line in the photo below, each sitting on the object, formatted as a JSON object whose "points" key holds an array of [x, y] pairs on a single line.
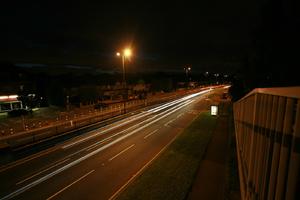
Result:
{"points": [[273, 58]]}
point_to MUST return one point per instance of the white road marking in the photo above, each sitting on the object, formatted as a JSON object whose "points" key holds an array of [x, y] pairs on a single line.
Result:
{"points": [[38, 173], [138, 116], [134, 126], [179, 115], [140, 171], [98, 143], [150, 133], [110, 137], [169, 122], [60, 191], [121, 152], [22, 161], [104, 131], [75, 162]]}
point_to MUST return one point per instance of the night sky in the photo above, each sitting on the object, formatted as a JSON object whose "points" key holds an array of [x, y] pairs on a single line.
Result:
{"points": [[169, 35]]}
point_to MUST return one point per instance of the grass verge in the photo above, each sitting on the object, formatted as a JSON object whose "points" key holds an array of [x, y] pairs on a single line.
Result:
{"points": [[171, 175]]}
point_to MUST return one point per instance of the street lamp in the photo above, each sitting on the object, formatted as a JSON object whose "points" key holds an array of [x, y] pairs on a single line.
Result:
{"points": [[187, 71], [125, 54]]}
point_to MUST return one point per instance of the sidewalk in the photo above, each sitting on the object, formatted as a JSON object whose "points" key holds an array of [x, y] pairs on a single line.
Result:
{"points": [[212, 176]]}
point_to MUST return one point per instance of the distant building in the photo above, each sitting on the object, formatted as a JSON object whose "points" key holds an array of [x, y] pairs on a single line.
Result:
{"points": [[90, 95], [9, 103]]}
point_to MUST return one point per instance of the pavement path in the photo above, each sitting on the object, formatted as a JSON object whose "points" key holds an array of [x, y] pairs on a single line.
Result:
{"points": [[211, 176]]}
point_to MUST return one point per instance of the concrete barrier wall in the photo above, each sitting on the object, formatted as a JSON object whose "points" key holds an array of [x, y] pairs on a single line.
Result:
{"points": [[267, 128]]}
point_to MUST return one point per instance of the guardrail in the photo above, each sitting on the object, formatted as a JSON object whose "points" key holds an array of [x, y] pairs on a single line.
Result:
{"points": [[267, 128]]}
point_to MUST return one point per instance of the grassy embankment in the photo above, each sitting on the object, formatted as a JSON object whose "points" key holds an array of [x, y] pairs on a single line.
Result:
{"points": [[171, 175]]}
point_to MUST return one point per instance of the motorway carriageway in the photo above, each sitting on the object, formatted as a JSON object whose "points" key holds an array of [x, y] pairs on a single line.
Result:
{"points": [[100, 163]]}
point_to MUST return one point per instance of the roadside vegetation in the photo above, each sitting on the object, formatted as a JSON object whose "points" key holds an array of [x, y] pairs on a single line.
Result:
{"points": [[171, 175]]}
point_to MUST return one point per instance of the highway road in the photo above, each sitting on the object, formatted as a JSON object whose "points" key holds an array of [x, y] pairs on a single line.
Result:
{"points": [[100, 163]]}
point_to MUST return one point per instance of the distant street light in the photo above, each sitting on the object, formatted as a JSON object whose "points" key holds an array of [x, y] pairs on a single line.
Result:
{"points": [[187, 71], [125, 54]]}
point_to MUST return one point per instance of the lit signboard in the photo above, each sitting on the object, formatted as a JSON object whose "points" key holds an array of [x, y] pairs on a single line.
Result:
{"points": [[214, 110]]}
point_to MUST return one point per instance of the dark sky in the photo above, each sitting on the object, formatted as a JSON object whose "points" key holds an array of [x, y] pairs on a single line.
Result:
{"points": [[162, 34]]}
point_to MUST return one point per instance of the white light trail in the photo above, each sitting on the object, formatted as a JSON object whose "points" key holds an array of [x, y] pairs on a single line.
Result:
{"points": [[133, 118], [75, 162]]}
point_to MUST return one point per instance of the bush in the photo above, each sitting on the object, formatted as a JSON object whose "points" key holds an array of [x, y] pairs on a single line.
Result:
{"points": [[19, 112], [100, 105]]}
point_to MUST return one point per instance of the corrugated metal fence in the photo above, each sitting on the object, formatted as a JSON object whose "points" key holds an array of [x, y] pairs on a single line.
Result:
{"points": [[267, 127]]}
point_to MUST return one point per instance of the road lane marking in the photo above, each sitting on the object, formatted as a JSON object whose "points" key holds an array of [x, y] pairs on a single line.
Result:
{"points": [[135, 118], [134, 126], [63, 189], [150, 133], [179, 115], [91, 146], [22, 161], [110, 137], [38, 173], [140, 170], [107, 139], [169, 122], [75, 162], [97, 144], [121, 152]]}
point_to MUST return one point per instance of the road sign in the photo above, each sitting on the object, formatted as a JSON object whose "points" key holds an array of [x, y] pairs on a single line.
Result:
{"points": [[214, 110]]}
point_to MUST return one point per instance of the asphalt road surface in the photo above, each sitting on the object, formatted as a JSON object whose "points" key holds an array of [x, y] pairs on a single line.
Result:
{"points": [[100, 163]]}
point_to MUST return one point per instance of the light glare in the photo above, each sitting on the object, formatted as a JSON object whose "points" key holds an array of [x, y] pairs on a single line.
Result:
{"points": [[127, 52]]}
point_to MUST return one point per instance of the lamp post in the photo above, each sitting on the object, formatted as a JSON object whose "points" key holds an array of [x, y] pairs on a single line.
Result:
{"points": [[125, 54], [187, 71]]}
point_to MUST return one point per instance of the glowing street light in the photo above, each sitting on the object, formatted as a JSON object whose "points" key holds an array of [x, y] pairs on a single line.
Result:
{"points": [[187, 70], [125, 54]]}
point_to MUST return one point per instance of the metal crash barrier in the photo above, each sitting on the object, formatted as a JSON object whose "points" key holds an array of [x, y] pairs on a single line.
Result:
{"points": [[267, 130]]}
